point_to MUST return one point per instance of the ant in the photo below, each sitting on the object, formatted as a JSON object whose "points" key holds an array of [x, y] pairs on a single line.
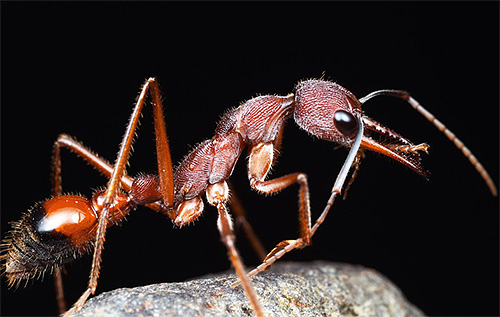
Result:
{"points": [[64, 227]]}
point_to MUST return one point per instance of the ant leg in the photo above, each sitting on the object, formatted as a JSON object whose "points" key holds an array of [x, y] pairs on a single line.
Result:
{"points": [[241, 220], [356, 164], [262, 157], [288, 245], [217, 195], [58, 284], [259, 163], [64, 140], [57, 191], [104, 167], [401, 94], [164, 160], [165, 172]]}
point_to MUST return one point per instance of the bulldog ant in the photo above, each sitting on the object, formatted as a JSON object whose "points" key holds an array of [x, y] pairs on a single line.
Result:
{"points": [[62, 228]]}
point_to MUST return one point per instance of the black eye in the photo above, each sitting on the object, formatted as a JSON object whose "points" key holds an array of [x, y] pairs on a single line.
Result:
{"points": [[345, 122]]}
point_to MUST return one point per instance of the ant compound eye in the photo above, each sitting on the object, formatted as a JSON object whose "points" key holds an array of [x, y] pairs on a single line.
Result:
{"points": [[345, 122]]}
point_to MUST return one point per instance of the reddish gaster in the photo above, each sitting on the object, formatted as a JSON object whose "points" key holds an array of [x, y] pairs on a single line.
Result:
{"points": [[73, 225]]}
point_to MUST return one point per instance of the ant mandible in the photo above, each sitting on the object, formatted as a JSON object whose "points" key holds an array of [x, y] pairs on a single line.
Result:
{"points": [[71, 226]]}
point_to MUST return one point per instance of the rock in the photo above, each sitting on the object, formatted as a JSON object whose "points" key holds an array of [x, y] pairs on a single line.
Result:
{"points": [[288, 289]]}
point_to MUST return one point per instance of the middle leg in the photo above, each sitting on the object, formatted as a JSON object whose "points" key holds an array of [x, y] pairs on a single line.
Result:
{"points": [[217, 195], [241, 222]]}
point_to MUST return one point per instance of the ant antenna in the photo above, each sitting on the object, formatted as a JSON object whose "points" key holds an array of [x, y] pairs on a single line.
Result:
{"points": [[441, 127]]}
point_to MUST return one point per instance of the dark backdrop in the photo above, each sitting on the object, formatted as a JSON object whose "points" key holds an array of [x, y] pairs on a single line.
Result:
{"points": [[77, 68]]}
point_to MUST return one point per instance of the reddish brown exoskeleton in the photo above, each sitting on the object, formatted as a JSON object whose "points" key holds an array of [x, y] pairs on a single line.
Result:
{"points": [[71, 226]]}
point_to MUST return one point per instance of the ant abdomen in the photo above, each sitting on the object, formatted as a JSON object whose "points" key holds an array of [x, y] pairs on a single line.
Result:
{"points": [[49, 235]]}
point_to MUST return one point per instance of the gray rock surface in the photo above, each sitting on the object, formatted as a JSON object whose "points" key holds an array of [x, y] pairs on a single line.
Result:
{"points": [[288, 289]]}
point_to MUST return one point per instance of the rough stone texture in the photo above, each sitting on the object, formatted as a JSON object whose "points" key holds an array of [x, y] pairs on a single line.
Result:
{"points": [[288, 289]]}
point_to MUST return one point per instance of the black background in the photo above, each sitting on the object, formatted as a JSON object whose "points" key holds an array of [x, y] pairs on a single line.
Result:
{"points": [[78, 67]]}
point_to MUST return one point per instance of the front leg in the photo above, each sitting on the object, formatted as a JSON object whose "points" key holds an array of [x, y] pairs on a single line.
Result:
{"points": [[259, 164], [261, 154]]}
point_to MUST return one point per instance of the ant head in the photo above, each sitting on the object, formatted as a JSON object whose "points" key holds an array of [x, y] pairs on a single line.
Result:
{"points": [[330, 112], [47, 236], [327, 111]]}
